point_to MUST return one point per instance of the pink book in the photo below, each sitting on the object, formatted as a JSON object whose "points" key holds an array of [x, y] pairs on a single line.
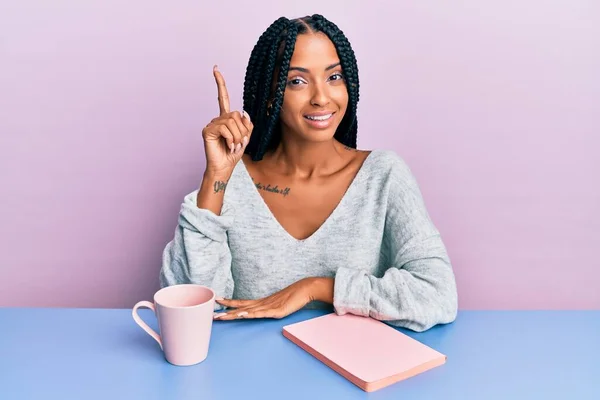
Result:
{"points": [[367, 352]]}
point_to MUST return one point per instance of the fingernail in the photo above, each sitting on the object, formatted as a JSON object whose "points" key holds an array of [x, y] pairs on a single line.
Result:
{"points": [[218, 315], [245, 140], [242, 313], [246, 115], [238, 147], [219, 298], [232, 147], [216, 66]]}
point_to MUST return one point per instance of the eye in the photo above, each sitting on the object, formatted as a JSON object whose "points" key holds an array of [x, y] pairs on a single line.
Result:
{"points": [[295, 82], [338, 77]]}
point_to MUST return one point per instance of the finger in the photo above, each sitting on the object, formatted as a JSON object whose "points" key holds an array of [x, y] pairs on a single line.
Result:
{"points": [[223, 95], [239, 120], [261, 310], [250, 126], [227, 135], [245, 141], [237, 135], [263, 313], [247, 122], [230, 315], [241, 308], [236, 313], [236, 303]]}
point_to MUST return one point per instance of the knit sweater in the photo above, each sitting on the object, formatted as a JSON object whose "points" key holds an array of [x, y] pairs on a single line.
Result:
{"points": [[379, 244]]}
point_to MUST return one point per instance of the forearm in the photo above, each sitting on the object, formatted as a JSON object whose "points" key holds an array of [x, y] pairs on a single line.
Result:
{"points": [[199, 251], [417, 296], [321, 289], [212, 190]]}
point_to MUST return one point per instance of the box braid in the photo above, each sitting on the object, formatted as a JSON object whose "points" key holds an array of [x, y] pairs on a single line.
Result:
{"points": [[266, 77]]}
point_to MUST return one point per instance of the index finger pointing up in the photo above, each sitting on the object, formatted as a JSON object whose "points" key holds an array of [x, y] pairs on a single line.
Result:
{"points": [[222, 92]]}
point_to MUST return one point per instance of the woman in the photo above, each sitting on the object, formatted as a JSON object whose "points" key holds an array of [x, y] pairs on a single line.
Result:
{"points": [[291, 215]]}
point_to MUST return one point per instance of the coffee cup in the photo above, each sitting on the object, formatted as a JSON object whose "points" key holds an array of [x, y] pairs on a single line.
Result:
{"points": [[185, 316]]}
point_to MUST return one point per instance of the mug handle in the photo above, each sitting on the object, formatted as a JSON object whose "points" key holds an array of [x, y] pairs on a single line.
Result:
{"points": [[141, 323]]}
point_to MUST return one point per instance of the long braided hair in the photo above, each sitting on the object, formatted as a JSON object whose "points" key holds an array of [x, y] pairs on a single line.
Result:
{"points": [[266, 76]]}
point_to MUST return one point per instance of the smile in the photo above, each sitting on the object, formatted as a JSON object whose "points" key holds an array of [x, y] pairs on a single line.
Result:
{"points": [[320, 121], [318, 117]]}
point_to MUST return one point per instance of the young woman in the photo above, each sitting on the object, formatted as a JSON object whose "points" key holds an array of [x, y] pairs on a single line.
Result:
{"points": [[291, 215]]}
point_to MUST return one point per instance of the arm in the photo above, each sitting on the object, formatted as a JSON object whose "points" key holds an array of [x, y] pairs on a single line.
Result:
{"points": [[211, 193], [418, 290], [199, 252]]}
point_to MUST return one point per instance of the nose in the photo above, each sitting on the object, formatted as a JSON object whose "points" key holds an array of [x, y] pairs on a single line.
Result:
{"points": [[320, 95]]}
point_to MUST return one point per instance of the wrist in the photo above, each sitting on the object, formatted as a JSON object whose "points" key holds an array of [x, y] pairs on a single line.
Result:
{"points": [[214, 183], [217, 175], [212, 190], [321, 289]]}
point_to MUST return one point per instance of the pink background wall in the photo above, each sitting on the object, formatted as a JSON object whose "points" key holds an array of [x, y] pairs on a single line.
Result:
{"points": [[495, 106]]}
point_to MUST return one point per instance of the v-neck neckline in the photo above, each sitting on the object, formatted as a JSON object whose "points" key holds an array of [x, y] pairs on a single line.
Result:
{"points": [[327, 221]]}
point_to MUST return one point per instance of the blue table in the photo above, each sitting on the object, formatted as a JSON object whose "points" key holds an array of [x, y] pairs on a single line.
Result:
{"points": [[102, 354]]}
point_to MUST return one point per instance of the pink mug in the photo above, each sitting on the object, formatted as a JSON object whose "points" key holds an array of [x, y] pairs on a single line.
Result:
{"points": [[185, 317]]}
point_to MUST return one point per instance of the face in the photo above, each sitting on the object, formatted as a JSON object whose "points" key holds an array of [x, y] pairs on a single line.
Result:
{"points": [[315, 98]]}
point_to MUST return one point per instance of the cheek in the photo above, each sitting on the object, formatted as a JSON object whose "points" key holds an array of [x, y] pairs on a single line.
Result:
{"points": [[341, 97], [286, 117], [291, 108]]}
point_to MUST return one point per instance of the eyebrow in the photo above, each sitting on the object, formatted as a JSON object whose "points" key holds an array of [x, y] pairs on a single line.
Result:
{"points": [[308, 71]]}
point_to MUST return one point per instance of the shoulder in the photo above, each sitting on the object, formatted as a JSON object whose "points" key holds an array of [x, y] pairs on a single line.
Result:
{"points": [[389, 165], [390, 175]]}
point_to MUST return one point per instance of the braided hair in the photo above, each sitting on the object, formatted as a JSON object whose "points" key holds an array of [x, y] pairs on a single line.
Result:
{"points": [[266, 76]]}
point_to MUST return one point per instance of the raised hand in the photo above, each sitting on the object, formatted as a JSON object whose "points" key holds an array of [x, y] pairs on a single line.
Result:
{"points": [[226, 136]]}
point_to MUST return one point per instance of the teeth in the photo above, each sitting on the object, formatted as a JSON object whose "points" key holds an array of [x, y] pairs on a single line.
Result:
{"points": [[319, 118]]}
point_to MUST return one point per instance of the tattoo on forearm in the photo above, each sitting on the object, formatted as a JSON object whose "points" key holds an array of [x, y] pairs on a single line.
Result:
{"points": [[273, 189], [219, 186]]}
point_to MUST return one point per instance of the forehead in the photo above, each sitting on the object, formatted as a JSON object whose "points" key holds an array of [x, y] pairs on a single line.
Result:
{"points": [[314, 50]]}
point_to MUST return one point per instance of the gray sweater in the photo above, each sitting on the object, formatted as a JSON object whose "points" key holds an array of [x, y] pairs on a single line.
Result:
{"points": [[379, 244]]}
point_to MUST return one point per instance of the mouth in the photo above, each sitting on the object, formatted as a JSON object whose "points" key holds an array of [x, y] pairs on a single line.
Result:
{"points": [[319, 120]]}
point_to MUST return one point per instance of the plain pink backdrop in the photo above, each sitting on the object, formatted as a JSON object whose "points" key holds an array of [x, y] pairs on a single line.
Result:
{"points": [[494, 105]]}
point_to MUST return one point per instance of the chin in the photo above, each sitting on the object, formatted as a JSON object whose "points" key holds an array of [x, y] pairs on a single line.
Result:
{"points": [[319, 135]]}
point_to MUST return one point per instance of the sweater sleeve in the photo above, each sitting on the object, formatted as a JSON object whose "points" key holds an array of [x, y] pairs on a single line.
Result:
{"points": [[199, 252], [418, 289]]}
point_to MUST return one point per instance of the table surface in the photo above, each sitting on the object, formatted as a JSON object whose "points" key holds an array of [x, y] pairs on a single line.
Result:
{"points": [[89, 354]]}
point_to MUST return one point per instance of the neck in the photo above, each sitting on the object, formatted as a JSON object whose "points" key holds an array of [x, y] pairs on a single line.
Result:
{"points": [[304, 160]]}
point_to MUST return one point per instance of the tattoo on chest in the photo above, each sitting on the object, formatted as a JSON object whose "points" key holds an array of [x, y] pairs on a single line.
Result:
{"points": [[272, 189], [219, 186]]}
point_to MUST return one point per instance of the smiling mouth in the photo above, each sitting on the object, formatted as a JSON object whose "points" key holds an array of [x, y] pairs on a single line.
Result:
{"points": [[319, 117]]}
